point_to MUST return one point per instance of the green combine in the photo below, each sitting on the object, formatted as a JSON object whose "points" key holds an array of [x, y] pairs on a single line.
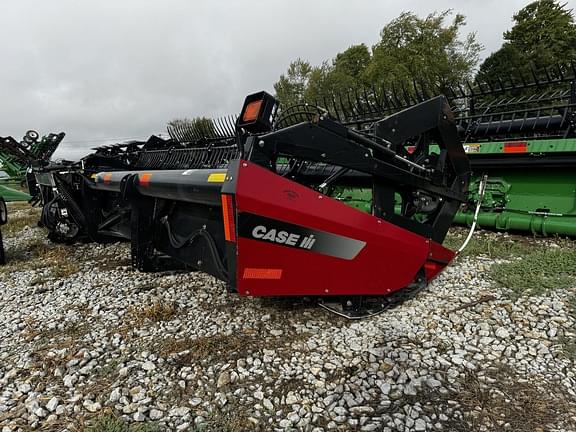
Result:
{"points": [[520, 136], [531, 186], [16, 158]]}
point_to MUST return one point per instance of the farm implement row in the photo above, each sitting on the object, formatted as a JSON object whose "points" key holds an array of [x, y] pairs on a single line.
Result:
{"points": [[347, 200], [19, 158]]}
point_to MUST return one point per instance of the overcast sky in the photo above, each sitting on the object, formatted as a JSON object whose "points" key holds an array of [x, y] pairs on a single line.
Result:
{"points": [[108, 70]]}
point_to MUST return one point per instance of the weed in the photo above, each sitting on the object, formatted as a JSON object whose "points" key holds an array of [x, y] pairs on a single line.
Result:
{"points": [[511, 401], [110, 423], [63, 270], [112, 262], [20, 220], [72, 331], [210, 348], [488, 244], [38, 280], [537, 272], [154, 312], [226, 422], [109, 369]]}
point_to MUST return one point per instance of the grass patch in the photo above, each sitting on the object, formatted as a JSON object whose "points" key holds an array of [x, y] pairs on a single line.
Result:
{"points": [[537, 272], [37, 254], [510, 401], [24, 218], [110, 423], [488, 244], [18, 205], [64, 270], [226, 422], [23, 254]]}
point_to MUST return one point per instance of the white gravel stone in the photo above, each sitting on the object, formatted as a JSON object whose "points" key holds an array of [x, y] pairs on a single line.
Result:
{"points": [[179, 412], [295, 368], [24, 388], [139, 417], [195, 402], [91, 406], [115, 395], [223, 379], [420, 425], [183, 426], [148, 366], [52, 404], [156, 414]]}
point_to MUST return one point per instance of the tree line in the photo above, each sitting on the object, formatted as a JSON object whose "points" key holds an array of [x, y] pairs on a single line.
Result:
{"points": [[432, 50]]}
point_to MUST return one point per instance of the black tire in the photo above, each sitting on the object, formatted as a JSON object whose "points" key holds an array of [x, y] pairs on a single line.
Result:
{"points": [[3, 211]]}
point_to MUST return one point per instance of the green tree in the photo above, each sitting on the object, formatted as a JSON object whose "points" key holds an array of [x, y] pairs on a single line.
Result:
{"points": [[410, 48], [353, 61], [543, 35], [346, 72], [428, 50], [291, 86]]}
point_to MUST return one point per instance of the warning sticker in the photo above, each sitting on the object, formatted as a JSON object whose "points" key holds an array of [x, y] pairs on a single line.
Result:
{"points": [[472, 148]]}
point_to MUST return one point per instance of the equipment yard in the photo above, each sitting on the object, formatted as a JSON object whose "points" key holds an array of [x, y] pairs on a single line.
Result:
{"points": [[88, 343], [383, 240]]}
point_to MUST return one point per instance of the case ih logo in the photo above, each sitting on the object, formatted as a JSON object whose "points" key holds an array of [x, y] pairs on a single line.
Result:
{"points": [[283, 237], [296, 236]]}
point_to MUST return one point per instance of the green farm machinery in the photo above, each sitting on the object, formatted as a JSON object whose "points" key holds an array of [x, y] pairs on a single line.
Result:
{"points": [[18, 158], [519, 135]]}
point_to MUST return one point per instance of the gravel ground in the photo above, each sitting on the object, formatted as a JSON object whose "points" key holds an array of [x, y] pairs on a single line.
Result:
{"points": [[85, 340]]}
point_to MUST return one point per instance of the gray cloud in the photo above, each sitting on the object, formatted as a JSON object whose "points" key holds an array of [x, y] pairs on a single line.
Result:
{"points": [[122, 69]]}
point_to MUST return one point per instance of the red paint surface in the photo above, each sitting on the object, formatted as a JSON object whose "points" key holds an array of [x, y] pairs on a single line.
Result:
{"points": [[389, 261]]}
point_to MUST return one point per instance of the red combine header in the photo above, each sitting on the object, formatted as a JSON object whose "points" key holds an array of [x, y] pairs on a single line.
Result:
{"points": [[264, 203]]}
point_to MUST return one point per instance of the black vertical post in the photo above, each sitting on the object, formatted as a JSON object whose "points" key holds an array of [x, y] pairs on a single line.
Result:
{"points": [[141, 226]]}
